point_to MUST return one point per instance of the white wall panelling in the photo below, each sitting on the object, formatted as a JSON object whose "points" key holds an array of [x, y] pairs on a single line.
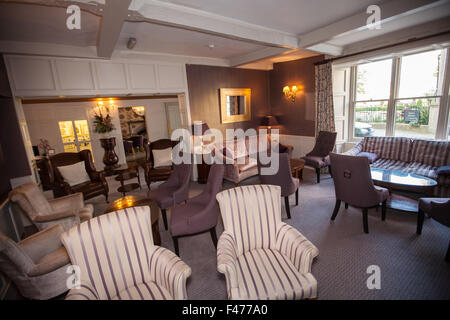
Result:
{"points": [[54, 76]]}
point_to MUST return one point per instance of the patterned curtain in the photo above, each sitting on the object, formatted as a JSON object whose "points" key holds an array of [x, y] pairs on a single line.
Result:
{"points": [[324, 98]]}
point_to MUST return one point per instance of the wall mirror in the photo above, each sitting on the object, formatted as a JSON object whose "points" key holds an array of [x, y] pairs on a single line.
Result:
{"points": [[235, 105]]}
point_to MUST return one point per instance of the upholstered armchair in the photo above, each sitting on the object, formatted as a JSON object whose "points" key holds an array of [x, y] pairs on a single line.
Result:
{"points": [[90, 189], [438, 209], [173, 191], [319, 158], [67, 211], [283, 178], [145, 272], [261, 256], [37, 265], [200, 213], [153, 174], [353, 184]]}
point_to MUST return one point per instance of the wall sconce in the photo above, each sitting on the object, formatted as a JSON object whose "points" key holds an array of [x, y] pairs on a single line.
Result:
{"points": [[290, 92], [139, 110]]}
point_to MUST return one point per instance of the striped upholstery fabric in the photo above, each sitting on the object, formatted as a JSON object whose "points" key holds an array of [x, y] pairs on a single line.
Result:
{"points": [[118, 260], [390, 164], [432, 153], [262, 257], [395, 148]]}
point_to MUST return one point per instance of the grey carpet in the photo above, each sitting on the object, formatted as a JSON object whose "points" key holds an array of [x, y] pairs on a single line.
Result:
{"points": [[412, 267]]}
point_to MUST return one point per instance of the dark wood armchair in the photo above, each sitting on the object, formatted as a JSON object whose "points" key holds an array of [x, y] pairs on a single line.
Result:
{"points": [[95, 187], [153, 174]]}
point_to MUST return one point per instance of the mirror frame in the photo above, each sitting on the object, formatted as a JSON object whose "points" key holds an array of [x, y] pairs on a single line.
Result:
{"points": [[224, 92]]}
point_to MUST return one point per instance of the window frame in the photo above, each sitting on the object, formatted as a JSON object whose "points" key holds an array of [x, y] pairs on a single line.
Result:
{"points": [[442, 130], [77, 142]]}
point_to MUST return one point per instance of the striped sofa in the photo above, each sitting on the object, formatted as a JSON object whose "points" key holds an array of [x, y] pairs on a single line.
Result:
{"points": [[260, 256], [423, 157], [118, 260]]}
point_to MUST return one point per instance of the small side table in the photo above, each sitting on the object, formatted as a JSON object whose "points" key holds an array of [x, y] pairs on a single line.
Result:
{"points": [[124, 174], [137, 201], [297, 166]]}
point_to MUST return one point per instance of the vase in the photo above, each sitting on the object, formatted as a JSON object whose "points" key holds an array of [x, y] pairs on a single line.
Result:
{"points": [[110, 158]]}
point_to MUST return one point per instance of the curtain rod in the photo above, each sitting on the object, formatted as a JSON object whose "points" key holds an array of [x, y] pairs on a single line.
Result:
{"points": [[383, 47]]}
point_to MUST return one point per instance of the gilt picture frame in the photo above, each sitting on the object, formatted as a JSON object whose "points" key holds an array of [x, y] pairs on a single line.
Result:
{"points": [[235, 104]]}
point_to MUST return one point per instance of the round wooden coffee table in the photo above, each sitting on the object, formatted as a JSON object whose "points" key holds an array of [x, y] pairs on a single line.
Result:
{"points": [[297, 166], [126, 173], [139, 201]]}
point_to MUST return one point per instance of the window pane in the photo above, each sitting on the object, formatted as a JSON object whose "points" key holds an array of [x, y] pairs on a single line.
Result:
{"points": [[370, 119], [421, 74], [82, 130], [66, 130], [70, 148], [85, 146], [416, 118], [373, 80]]}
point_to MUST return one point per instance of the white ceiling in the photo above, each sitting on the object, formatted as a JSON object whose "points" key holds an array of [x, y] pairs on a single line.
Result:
{"points": [[246, 33], [293, 16]]}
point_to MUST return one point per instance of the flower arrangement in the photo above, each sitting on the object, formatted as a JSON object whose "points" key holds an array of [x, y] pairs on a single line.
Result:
{"points": [[103, 124], [44, 146]]}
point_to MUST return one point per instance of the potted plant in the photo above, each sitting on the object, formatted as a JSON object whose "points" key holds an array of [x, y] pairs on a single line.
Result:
{"points": [[44, 147], [103, 125]]}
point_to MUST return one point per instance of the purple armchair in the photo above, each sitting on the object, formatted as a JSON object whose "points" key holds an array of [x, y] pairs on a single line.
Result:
{"points": [[439, 210], [282, 178], [319, 157], [353, 184], [200, 213], [174, 191]]}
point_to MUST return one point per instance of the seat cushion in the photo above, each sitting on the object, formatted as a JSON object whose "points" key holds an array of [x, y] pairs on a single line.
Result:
{"points": [[425, 204], [268, 274], [249, 163], [88, 187], [383, 193], [390, 164], [144, 291], [316, 162], [422, 169]]}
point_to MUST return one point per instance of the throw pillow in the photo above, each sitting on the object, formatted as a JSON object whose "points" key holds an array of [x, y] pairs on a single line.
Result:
{"points": [[371, 156], [162, 157], [74, 174]]}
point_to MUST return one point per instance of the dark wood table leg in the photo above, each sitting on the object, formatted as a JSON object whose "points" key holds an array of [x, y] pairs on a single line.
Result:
{"points": [[155, 232]]}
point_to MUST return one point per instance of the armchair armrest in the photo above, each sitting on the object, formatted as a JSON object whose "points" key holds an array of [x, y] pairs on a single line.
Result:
{"points": [[169, 271], [356, 149], [98, 175], [296, 247], [72, 201], [226, 261], [42, 243], [85, 292], [67, 219]]}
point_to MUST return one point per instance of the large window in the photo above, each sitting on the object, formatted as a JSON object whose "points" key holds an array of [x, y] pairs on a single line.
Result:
{"points": [[400, 96], [75, 135]]}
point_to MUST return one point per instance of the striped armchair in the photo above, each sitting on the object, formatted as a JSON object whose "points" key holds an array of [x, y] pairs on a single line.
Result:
{"points": [[260, 256], [118, 260]]}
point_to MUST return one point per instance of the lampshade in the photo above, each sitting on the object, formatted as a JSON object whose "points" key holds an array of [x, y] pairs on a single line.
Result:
{"points": [[199, 128], [269, 121]]}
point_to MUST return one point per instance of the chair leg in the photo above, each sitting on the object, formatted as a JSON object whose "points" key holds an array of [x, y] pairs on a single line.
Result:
{"points": [[383, 210], [164, 215], [318, 175], [447, 256], [296, 197], [175, 245], [286, 204], [212, 231], [336, 209], [420, 218], [365, 220], [346, 205], [300, 174], [329, 170], [106, 196]]}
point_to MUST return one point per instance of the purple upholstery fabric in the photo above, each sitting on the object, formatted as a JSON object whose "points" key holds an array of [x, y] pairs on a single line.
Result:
{"points": [[175, 189], [369, 155], [437, 208], [200, 213], [318, 157], [353, 183], [282, 178]]}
